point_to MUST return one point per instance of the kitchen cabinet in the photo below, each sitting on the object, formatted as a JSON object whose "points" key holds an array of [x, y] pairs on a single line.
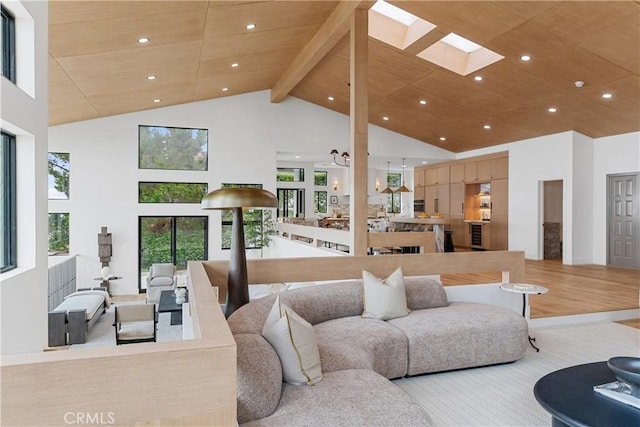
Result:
{"points": [[499, 238], [483, 170], [418, 177], [456, 172], [499, 197], [437, 199], [437, 175], [456, 198], [418, 193], [500, 168], [470, 171]]}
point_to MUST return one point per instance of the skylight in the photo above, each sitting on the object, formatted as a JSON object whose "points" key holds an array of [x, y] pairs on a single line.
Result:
{"points": [[459, 42], [395, 26], [394, 13]]}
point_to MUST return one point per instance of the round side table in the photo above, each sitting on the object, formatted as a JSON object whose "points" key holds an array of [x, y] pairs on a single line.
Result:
{"points": [[526, 290]]}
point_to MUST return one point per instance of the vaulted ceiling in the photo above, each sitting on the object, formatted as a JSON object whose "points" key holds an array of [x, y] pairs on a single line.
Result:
{"points": [[97, 67]]}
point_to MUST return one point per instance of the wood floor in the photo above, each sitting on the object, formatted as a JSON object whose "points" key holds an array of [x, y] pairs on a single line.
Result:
{"points": [[573, 289]]}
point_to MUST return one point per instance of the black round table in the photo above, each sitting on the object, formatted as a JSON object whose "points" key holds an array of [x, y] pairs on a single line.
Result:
{"points": [[568, 395]]}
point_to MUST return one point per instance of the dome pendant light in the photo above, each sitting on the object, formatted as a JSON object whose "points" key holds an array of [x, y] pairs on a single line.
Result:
{"points": [[402, 188]]}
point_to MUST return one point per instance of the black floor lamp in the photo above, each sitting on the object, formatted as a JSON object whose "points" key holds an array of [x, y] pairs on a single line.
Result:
{"points": [[237, 199]]}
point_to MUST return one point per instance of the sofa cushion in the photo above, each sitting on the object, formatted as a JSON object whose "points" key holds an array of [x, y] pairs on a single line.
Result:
{"points": [[294, 340], [384, 299], [259, 377], [424, 292], [462, 335], [162, 270], [161, 281], [357, 343], [355, 397]]}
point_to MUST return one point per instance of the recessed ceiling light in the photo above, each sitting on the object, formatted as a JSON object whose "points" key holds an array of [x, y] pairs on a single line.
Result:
{"points": [[442, 138], [250, 26], [478, 78], [156, 100], [552, 109], [487, 126], [423, 101], [607, 95], [385, 118], [143, 40], [330, 98], [297, 157], [151, 77], [525, 58], [424, 162], [235, 65], [224, 89]]}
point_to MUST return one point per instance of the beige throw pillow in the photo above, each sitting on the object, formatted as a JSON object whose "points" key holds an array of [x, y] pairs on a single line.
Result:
{"points": [[384, 299], [294, 339]]}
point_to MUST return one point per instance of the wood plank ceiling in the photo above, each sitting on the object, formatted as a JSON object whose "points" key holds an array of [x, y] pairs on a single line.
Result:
{"points": [[97, 68]]}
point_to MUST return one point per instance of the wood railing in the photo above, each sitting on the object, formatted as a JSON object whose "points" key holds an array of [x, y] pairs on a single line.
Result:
{"points": [[179, 383]]}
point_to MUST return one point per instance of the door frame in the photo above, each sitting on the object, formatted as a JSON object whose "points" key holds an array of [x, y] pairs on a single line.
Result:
{"points": [[565, 232], [173, 240]]}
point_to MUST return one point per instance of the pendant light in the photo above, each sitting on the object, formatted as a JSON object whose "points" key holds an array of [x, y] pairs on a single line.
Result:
{"points": [[387, 190], [402, 188]]}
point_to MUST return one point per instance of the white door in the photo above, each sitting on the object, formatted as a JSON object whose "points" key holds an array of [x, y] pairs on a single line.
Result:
{"points": [[624, 221]]}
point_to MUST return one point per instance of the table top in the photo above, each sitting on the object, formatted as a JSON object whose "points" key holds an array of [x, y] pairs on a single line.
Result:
{"points": [[568, 395], [523, 288], [168, 302]]}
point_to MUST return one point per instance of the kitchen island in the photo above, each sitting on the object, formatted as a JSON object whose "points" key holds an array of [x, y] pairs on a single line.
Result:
{"points": [[436, 224]]}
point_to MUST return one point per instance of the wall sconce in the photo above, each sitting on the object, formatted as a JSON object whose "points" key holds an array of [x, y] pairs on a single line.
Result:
{"points": [[335, 186], [377, 185]]}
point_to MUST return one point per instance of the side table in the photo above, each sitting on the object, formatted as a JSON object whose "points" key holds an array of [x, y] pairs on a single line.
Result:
{"points": [[105, 283], [525, 290]]}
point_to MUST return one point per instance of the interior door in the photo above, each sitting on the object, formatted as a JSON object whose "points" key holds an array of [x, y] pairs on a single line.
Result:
{"points": [[623, 221]]}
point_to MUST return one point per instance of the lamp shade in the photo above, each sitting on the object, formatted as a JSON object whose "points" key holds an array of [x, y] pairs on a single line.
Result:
{"points": [[403, 189], [387, 191], [229, 198]]}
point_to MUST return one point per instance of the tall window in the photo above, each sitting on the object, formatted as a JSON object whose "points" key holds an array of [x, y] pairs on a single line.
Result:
{"points": [[290, 202], [8, 228], [8, 45], [393, 199], [253, 220], [320, 201], [58, 234], [172, 148], [59, 169]]}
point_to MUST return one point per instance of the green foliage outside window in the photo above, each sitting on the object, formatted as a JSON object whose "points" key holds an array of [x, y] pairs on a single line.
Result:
{"points": [[394, 180], [258, 223], [59, 168], [58, 233], [320, 178], [172, 148], [171, 192], [290, 175], [320, 201], [393, 203]]}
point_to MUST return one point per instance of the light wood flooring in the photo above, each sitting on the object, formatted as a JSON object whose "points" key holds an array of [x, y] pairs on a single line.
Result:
{"points": [[573, 289]]}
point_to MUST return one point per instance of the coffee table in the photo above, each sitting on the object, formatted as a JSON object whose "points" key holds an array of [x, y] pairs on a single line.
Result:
{"points": [[168, 304], [568, 396]]}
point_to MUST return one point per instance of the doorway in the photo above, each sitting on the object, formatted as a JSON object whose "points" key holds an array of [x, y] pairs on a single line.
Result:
{"points": [[290, 202], [170, 239], [552, 219], [623, 221]]}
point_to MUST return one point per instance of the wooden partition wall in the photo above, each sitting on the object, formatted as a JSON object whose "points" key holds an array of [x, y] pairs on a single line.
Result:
{"points": [[509, 263], [180, 383]]}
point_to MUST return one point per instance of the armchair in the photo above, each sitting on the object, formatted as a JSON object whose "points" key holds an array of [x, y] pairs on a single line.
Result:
{"points": [[162, 277], [135, 323]]}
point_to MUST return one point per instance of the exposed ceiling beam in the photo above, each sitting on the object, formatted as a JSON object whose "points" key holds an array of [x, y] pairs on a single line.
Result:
{"points": [[328, 35]]}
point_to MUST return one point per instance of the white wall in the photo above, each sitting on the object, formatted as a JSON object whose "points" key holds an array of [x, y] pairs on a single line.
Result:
{"points": [[245, 132], [611, 155], [582, 163], [23, 291]]}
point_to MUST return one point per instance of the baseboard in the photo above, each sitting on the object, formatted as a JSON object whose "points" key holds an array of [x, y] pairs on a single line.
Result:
{"points": [[611, 316]]}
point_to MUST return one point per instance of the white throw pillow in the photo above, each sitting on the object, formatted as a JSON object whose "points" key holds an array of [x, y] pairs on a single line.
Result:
{"points": [[384, 299], [294, 339]]}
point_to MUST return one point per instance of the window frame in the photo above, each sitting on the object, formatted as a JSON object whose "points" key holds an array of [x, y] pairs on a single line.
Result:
{"points": [[9, 257], [320, 173], [316, 200], [59, 219], [141, 183], [8, 44], [206, 153], [295, 173], [228, 223]]}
